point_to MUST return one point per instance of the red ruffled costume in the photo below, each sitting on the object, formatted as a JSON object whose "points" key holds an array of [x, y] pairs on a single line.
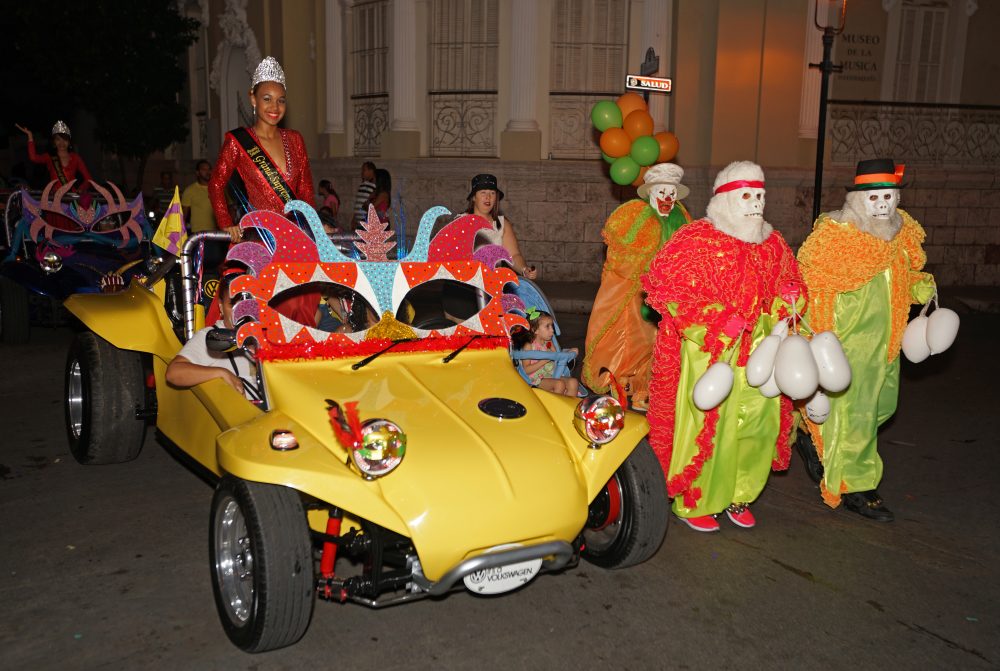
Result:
{"points": [[297, 175], [706, 279]]}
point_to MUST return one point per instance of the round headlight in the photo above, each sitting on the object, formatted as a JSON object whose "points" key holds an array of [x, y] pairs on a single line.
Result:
{"points": [[383, 446], [51, 262], [599, 419]]}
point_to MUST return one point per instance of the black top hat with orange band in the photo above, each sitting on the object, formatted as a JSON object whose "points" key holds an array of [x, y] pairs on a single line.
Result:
{"points": [[878, 173]]}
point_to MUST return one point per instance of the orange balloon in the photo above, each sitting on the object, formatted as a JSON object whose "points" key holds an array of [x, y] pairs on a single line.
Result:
{"points": [[642, 173], [630, 102], [668, 145], [615, 142], [637, 124]]}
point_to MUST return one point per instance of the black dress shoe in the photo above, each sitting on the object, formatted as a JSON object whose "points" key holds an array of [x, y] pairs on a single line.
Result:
{"points": [[814, 468], [867, 504]]}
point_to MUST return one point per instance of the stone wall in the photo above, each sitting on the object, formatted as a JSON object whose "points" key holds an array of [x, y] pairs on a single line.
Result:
{"points": [[559, 207]]}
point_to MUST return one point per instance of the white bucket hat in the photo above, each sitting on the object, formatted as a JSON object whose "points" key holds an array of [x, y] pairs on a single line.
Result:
{"points": [[664, 173]]}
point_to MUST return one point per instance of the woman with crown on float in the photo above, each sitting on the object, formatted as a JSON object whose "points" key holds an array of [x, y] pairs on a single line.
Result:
{"points": [[63, 163], [271, 162]]}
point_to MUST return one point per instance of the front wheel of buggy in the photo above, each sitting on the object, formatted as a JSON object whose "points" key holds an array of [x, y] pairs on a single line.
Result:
{"points": [[628, 519], [262, 564]]}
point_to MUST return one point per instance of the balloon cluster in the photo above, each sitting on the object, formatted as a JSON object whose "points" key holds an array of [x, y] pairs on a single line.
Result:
{"points": [[627, 139]]}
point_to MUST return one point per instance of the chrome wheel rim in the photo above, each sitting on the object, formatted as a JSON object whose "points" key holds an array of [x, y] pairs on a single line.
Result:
{"points": [[74, 399], [233, 561], [600, 539]]}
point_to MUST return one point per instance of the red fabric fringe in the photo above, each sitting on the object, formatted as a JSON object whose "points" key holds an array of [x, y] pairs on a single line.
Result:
{"points": [[709, 277]]}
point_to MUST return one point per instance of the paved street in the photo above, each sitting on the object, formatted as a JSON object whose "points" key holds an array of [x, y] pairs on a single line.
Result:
{"points": [[107, 567]]}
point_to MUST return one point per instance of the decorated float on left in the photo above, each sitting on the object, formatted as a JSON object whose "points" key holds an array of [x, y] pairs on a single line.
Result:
{"points": [[59, 244]]}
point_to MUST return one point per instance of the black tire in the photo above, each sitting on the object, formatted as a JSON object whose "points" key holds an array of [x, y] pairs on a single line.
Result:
{"points": [[103, 388], [262, 564], [14, 323], [630, 531]]}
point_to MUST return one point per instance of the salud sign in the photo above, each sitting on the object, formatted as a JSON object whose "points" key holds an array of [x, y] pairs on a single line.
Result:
{"points": [[648, 84]]}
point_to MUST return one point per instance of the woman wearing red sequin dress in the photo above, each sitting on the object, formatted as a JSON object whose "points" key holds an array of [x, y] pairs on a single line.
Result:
{"points": [[63, 163], [272, 164]]}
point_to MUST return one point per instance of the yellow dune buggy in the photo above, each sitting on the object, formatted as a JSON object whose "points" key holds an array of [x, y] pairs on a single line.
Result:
{"points": [[403, 441]]}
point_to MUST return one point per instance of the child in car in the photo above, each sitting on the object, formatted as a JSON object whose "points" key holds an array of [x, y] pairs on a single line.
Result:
{"points": [[539, 338]]}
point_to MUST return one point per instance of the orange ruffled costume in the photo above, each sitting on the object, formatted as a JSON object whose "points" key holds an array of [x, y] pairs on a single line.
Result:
{"points": [[619, 337], [861, 288]]}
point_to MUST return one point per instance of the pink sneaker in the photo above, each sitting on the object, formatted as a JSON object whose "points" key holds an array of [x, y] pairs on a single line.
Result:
{"points": [[705, 523], [740, 515]]}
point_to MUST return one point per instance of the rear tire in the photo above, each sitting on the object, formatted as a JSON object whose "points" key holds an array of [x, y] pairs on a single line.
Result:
{"points": [[628, 519], [104, 386], [14, 322], [262, 564]]}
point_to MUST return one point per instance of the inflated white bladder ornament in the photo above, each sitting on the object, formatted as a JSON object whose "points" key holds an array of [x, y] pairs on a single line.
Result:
{"points": [[915, 346], [713, 386], [942, 328], [760, 365], [818, 407], [834, 369], [770, 388], [780, 329], [795, 369]]}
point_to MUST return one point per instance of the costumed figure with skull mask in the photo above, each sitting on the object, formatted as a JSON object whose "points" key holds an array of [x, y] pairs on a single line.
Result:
{"points": [[721, 283], [620, 335], [862, 265]]}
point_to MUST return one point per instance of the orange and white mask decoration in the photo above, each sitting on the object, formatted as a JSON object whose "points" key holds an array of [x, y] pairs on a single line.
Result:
{"points": [[290, 260]]}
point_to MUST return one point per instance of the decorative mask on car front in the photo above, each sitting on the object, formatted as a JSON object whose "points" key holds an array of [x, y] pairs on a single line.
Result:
{"points": [[287, 259], [114, 222]]}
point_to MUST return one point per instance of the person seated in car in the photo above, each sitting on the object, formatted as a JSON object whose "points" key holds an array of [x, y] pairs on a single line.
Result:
{"points": [[196, 364]]}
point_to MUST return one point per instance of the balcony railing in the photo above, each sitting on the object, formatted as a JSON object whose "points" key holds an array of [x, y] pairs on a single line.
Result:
{"points": [[462, 123], [965, 136], [371, 117]]}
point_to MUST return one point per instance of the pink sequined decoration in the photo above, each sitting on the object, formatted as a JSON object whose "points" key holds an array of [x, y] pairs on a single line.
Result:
{"points": [[375, 235], [491, 255], [252, 254]]}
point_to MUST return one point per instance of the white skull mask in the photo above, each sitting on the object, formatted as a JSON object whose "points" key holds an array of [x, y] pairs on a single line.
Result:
{"points": [[662, 198], [881, 203], [747, 204]]}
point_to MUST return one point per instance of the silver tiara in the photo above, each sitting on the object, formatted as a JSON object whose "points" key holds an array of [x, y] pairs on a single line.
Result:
{"points": [[61, 128], [269, 70]]}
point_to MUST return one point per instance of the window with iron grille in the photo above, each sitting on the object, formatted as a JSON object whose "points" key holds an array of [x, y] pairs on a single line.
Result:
{"points": [[463, 78], [922, 38], [588, 58], [369, 92]]}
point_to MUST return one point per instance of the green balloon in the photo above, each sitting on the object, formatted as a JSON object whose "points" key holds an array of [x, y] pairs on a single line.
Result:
{"points": [[605, 114], [645, 150], [608, 159], [624, 170]]}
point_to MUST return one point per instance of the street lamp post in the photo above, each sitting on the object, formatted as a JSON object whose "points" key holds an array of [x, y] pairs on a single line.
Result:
{"points": [[825, 67]]}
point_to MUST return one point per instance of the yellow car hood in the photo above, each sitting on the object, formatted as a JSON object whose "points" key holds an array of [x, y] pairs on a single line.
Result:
{"points": [[468, 478]]}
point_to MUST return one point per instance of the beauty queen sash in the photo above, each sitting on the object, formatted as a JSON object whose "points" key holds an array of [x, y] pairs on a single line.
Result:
{"points": [[260, 159], [58, 166]]}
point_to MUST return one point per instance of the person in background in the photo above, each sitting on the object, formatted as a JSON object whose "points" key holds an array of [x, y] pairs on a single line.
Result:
{"points": [[194, 199], [484, 200], [381, 197], [364, 192], [328, 196], [62, 161]]}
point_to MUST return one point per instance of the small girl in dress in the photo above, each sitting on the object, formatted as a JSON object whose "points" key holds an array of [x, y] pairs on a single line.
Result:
{"points": [[539, 339]]}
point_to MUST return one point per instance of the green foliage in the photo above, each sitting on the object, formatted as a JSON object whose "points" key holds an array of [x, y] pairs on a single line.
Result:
{"points": [[118, 59]]}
